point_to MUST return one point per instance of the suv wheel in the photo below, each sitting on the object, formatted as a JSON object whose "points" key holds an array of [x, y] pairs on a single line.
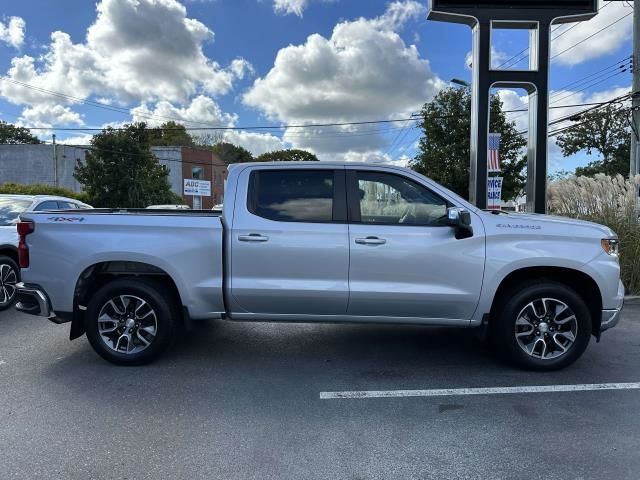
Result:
{"points": [[130, 321], [544, 326], [9, 277]]}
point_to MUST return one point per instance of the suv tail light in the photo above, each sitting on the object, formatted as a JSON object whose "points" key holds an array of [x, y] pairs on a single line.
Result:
{"points": [[24, 229]]}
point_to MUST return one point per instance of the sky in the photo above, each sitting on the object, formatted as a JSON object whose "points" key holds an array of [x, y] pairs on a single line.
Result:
{"points": [[270, 63]]}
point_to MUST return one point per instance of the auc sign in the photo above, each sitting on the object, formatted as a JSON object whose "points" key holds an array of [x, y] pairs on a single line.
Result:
{"points": [[197, 188]]}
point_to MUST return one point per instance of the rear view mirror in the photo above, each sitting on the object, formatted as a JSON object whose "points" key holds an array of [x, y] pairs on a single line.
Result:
{"points": [[460, 219]]}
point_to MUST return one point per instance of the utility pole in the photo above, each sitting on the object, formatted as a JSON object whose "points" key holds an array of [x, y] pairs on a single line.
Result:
{"points": [[55, 161], [635, 90]]}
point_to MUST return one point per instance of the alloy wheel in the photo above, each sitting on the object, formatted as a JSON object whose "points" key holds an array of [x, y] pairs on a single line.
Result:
{"points": [[8, 281], [546, 328], [127, 324]]}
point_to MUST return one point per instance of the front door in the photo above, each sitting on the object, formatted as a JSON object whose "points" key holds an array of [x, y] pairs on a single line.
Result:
{"points": [[405, 261], [290, 243]]}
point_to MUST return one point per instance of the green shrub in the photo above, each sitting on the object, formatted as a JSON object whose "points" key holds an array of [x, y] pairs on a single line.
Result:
{"points": [[40, 189], [611, 201]]}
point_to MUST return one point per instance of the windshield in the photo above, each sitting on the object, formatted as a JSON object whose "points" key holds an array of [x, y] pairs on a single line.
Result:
{"points": [[10, 208]]}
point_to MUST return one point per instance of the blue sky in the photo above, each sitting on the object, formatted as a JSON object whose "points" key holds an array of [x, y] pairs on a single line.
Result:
{"points": [[272, 62]]}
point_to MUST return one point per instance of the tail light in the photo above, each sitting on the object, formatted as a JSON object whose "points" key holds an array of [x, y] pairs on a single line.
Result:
{"points": [[24, 229]]}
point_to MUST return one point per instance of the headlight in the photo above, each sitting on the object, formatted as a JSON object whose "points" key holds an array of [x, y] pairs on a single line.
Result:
{"points": [[611, 246]]}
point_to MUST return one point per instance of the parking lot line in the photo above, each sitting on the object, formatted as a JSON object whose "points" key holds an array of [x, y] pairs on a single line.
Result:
{"points": [[446, 392]]}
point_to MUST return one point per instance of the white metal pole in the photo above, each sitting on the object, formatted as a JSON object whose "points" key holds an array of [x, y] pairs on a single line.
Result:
{"points": [[635, 90]]}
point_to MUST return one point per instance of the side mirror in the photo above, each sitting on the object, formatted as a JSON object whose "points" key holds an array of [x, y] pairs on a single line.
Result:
{"points": [[460, 219]]}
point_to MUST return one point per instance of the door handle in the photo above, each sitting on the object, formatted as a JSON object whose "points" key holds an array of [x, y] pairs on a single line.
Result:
{"points": [[371, 241], [253, 237]]}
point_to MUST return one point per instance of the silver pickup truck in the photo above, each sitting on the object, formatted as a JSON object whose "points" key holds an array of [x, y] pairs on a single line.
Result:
{"points": [[323, 242]]}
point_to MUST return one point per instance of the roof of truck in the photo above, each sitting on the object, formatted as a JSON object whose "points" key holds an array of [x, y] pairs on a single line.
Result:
{"points": [[314, 164]]}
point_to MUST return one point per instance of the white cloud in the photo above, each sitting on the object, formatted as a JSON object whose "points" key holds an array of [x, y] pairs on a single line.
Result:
{"points": [[45, 115], [12, 32], [363, 71], [398, 13], [136, 50], [83, 139], [604, 43], [287, 7], [201, 111], [256, 143], [294, 7]]}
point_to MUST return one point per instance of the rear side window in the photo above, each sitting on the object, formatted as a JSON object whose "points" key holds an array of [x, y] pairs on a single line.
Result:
{"points": [[48, 205], [292, 195], [67, 205]]}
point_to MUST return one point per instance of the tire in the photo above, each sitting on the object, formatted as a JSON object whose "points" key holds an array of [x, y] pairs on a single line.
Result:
{"points": [[134, 312], [542, 326], [9, 276]]}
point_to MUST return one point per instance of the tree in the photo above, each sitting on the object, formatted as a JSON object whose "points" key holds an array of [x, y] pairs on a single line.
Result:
{"points": [[16, 135], [231, 153], [120, 170], [287, 156], [604, 130], [171, 134], [444, 149]]}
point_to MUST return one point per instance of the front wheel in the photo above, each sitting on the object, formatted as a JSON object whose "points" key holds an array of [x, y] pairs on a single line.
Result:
{"points": [[129, 321], [9, 277], [544, 326]]}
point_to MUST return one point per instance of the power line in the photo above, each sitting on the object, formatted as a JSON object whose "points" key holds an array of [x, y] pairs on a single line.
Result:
{"points": [[569, 127], [558, 27], [317, 125], [590, 36], [568, 117], [622, 68], [258, 127]]}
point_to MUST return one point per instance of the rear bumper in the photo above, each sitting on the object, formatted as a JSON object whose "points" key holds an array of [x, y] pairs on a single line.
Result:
{"points": [[33, 300]]}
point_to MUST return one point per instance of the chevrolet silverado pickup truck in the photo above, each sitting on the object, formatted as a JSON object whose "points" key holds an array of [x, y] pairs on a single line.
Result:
{"points": [[323, 242]]}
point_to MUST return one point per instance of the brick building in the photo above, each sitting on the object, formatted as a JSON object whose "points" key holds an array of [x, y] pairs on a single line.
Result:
{"points": [[193, 163], [204, 165]]}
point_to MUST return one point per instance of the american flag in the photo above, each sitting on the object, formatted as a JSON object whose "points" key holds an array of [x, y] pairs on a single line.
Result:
{"points": [[493, 158]]}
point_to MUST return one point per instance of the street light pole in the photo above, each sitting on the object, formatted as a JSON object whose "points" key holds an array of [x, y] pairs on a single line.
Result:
{"points": [[635, 91], [55, 161]]}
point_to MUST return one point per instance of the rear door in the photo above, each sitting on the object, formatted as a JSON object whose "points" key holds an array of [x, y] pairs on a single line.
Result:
{"points": [[405, 261], [289, 242]]}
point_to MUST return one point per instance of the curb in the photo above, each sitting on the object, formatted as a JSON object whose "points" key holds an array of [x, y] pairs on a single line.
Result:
{"points": [[632, 300]]}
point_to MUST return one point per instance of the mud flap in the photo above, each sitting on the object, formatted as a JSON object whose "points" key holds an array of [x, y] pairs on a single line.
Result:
{"points": [[77, 325]]}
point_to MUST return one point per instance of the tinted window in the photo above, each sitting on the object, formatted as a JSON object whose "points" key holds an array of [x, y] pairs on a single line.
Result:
{"points": [[10, 208], [66, 205], [48, 205], [391, 199], [292, 195]]}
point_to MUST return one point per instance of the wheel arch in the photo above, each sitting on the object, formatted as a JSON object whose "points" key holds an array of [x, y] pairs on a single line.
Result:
{"points": [[98, 274], [583, 284], [10, 251]]}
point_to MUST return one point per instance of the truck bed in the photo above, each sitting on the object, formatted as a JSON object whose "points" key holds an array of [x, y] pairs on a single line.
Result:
{"points": [[184, 244]]}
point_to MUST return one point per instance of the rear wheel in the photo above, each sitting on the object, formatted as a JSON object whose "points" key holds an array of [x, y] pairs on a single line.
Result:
{"points": [[9, 277], [130, 321], [543, 326]]}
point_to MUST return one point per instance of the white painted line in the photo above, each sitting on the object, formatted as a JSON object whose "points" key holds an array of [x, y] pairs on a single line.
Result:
{"points": [[2, 362], [446, 392]]}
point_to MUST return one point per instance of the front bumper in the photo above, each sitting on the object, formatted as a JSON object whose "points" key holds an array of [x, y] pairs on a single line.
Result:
{"points": [[611, 317]]}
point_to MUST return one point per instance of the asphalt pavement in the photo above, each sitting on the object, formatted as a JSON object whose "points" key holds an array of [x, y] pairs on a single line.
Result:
{"points": [[243, 401]]}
